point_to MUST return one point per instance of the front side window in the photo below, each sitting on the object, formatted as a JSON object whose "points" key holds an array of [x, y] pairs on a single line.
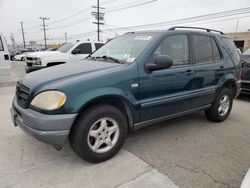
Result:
{"points": [[203, 49], [176, 47], [1, 45], [84, 48]]}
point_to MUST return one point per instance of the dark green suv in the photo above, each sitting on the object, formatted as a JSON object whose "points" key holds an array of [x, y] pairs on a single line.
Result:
{"points": [[137, 79]]}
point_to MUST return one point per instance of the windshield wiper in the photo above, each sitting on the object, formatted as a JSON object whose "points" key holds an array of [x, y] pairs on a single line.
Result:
{"points": [[108, 57]]}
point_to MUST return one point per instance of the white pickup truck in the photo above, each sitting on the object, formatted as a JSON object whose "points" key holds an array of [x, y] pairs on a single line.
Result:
{"points": [[68, 53]]}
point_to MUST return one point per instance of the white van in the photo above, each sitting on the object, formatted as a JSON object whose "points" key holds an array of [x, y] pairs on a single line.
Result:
{"points": [[4, 57]]}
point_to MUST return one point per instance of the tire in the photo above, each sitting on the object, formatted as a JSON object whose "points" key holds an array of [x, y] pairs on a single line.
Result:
{"points": [[92, 122], [219, 112]]}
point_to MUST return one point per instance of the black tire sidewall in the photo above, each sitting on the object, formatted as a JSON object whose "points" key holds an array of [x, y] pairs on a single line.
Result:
{"points": [[212, 113], [79, 136]]}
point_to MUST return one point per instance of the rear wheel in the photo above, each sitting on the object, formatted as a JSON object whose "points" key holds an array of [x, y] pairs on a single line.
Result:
{"points": [[222, 106], [99, 133]]}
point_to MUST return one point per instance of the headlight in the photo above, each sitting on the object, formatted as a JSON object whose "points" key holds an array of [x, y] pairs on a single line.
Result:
{"points": [[49, 100], [38, 61]]}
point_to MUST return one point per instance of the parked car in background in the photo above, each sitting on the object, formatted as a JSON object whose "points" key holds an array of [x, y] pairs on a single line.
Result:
{"points": [[21, 57], [4, 56], [137, 79], [245, 76], [68, 53]]}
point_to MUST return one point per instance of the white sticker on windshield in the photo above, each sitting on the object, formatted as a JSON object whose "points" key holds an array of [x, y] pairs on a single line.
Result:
{"points": [[142, 37], [130, 60]]}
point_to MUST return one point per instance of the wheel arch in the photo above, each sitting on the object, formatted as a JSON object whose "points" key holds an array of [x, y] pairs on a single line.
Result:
{"points": [[118, 102], [231, 85], [50, 64]]}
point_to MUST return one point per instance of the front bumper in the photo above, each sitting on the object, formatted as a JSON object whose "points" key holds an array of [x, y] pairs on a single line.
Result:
{"points": [[245, 87], [33, 68], [51, 129]]}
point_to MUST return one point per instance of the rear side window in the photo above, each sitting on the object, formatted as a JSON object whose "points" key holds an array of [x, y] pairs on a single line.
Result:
{"points": [[98, 45], [231, 48], [84, 48], [1, 45], [203, 49]]}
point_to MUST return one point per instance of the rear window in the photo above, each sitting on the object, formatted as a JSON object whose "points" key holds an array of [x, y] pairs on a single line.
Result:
{"points": [[98, 45], [1, 45], [231, 48]]}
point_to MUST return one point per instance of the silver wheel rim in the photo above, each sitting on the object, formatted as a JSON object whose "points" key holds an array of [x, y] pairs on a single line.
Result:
{"points": [[103, 135], [224, 105]]}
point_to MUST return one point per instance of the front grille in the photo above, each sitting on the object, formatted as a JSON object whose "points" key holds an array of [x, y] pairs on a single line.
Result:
{"points": [[29, 64], [22, 95], [31, 58], [245, 71]]}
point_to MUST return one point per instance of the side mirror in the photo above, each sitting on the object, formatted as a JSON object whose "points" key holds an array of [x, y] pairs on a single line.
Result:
{"points": [[76, 51], [160, 62]]}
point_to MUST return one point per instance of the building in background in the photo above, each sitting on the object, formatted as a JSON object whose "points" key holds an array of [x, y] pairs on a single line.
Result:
{"points": [[241, 40]]}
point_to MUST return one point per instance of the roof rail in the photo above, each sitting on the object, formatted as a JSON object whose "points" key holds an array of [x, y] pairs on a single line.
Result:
{"points": [[183, 27]]}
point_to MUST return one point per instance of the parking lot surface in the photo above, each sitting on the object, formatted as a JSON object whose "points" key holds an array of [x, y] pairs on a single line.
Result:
{"points": [[192, 151], [195, 152]]}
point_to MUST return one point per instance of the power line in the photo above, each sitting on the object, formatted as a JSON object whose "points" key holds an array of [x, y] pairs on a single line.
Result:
{"points": [[132, 6], [71, 24], [191, 19], [70, 16]]}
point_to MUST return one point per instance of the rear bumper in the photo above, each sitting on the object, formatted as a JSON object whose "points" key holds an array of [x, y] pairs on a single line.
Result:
{"points": [[245, 87], [50, 129]]}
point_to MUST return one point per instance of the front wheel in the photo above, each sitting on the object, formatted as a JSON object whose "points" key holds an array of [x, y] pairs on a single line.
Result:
{"points": [[99, 133], [221, 107]]}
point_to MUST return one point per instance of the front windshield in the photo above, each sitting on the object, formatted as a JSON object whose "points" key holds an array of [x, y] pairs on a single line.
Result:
{"points": [[247, 52], [65, 48], [125, 48]]}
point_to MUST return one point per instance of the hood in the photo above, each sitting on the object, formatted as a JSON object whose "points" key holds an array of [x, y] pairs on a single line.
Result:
{"points": [[60, 75], [45, 54]]}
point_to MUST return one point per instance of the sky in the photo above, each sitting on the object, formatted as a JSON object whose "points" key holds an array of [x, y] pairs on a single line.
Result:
{"points": [[74, 17]]}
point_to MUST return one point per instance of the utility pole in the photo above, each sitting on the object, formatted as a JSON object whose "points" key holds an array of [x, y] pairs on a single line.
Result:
{"points": [[236, 29], [99, 16], [24, 45], [65, 34], [44, 30]]}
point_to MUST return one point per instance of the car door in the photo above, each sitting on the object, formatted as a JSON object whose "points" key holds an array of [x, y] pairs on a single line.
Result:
{"points": [[166, 92], [81, 51], [4, 57], [208, 69]]}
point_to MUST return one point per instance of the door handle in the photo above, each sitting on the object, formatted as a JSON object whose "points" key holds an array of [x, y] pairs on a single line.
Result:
{"points": [[189, 73], [221, 67]]}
